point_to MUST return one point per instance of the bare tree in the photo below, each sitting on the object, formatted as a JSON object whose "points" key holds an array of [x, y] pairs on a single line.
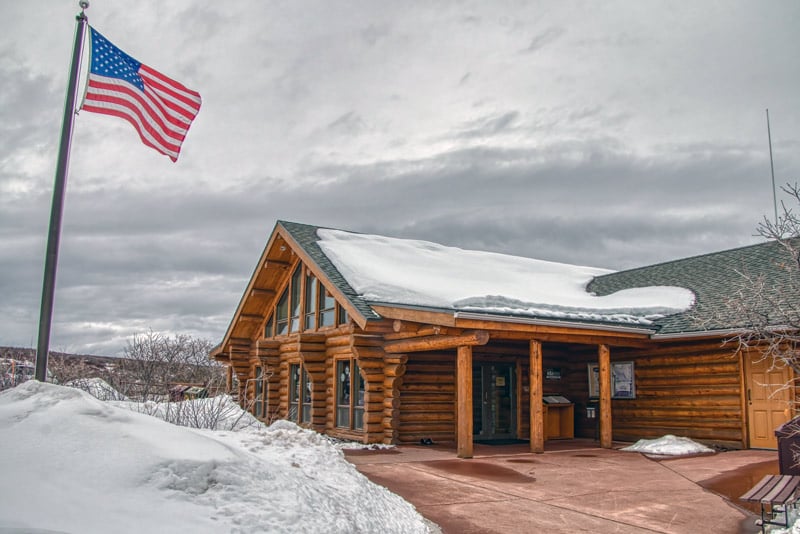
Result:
{"points": [[771, 311], [154, 361]]}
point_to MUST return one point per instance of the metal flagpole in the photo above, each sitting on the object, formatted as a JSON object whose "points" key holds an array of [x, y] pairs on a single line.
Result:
{"points": [[772, 170], [54, 235]]}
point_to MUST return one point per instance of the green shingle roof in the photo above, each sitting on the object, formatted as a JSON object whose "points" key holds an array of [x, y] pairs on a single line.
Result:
{"points": [[715, 279]]}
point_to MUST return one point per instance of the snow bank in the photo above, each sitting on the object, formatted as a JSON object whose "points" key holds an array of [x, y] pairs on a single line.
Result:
{"points": [[668, 445], [420, 273], [72, 463]]}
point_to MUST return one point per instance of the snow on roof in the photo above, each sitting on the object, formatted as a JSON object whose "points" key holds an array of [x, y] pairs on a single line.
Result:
{"points": [[420, 273]]}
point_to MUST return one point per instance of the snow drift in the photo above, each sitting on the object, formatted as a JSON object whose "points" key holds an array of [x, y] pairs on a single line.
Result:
{"points": [[72, 463]]}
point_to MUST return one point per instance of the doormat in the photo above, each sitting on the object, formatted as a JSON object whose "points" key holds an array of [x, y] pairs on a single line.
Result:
{"points": [[500, 441]]}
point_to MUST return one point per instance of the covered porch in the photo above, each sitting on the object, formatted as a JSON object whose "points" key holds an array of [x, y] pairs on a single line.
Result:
{"points": [[508, 382]]}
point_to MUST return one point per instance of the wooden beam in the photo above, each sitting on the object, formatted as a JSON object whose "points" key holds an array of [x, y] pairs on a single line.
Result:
{"points": [[259, 292], [419, 344], [250, 317], [415, 316], [604, 357], [464, 399], [277, 263], [536, 408]]}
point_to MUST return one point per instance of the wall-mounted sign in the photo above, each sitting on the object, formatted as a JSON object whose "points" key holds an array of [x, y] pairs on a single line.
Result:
{"points": [[552, 373], [623, 380]]}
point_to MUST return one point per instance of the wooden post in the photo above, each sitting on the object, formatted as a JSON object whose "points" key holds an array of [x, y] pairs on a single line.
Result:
{"points": [[537, 408], [464, 399], [604, 356], [229, 380]]}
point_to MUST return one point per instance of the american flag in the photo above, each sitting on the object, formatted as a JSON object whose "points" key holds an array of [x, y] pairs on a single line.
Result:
{"points": [[160, 108]]}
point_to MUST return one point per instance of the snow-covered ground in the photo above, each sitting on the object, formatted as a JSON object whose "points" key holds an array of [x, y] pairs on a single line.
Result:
{"points": [[71, 463], [669, 445]]}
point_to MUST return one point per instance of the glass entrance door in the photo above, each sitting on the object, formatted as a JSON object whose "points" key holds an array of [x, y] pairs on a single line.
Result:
{"points": [[494, 402]]}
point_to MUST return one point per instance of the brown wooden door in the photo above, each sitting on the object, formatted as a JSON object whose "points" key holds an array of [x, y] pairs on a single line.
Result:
{"points": [[768, 400]]}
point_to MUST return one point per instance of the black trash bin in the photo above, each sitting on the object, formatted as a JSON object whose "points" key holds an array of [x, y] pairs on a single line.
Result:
{"points": [[788, 436]]}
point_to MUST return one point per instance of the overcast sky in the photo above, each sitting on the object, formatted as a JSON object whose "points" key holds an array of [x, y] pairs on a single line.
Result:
{"points": [[609, 134]]}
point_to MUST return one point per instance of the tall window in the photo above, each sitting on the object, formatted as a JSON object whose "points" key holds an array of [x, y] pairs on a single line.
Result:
{"points": [[259, 406], [282, 314], [311, 302], [305, 384], [327, 308], [299, 394], [349, 395], [269, 330], [296, 291]]}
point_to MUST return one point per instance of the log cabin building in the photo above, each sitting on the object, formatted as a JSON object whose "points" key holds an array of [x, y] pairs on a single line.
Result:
{"points": [[305, 345]]}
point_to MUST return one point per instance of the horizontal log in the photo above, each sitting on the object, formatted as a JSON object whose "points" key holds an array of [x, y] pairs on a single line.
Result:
{"points": [[428, 343], [369, 353]]}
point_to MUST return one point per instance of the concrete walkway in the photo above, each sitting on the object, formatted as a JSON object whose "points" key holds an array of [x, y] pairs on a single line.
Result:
{"points": [[573, 487]]}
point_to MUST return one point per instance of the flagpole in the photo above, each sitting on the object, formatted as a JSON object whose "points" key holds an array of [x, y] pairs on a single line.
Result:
{"points": [[54, 235], [772, 171]]}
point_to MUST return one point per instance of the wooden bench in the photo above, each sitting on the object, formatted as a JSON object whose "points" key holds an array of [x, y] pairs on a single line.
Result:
{"points": [[776, 492]]}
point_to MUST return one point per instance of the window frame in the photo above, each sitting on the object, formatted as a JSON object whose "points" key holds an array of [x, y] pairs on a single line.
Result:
{"points": [[356, 395], [299, 384], [303, 284]]}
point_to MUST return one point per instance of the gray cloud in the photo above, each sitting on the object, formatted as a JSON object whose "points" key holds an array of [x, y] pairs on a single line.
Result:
{"points": [[612, 142]]}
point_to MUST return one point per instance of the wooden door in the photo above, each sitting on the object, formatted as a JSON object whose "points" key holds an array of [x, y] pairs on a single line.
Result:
{"points": [[769, 403]]}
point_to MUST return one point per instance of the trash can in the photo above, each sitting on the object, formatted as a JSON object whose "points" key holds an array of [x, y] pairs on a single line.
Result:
{"points": [[788, 436]]}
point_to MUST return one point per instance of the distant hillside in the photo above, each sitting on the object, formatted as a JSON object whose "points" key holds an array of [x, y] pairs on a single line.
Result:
{"points": [[29, 355]]}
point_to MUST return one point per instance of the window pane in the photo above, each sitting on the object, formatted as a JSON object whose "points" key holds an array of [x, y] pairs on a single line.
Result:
{"points": [[258, 405], [343, 393], [311, 302], [306, 397], [294, 391], [295, 300], [282, 314], [342, 315], [358, 409], [268, 330], [327, 305]]}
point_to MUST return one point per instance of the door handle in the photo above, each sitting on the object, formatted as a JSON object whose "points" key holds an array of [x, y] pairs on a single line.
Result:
{"points": [[749, 396]]}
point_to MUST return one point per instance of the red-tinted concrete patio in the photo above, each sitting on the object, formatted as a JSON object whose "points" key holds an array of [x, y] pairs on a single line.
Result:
{"points": [[573, 487]]}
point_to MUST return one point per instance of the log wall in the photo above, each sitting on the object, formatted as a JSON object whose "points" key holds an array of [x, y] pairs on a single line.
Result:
{"points": [[690, 389], [427, 398], [687, 390]]}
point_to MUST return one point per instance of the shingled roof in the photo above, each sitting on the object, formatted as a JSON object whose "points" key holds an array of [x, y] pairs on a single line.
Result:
{"points": [[714, 278], [305, 235]]}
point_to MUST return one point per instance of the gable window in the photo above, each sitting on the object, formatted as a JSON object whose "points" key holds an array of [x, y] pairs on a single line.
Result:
{"points": [[299, 394], [282, 314], [311, 302], [295, 288], [269, 329], [349, 395], [327, 308]]}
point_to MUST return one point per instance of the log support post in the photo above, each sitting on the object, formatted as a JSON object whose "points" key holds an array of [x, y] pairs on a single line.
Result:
{"points": [[464, 400], [536, 408], [604, 357], [229, 379]]}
